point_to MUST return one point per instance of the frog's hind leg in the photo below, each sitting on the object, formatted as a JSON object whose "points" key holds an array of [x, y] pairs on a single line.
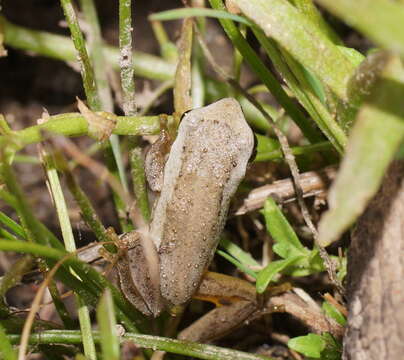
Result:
{"points": [[128, 287], [136, 277], [235, 300]]}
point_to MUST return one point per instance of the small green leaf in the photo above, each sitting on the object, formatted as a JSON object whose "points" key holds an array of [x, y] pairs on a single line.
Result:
{"points": [[310, 264], [305, 42], [281, 249], [310, 345], [237, 263], [266, 275], [333, 348], [237, 252], [333, 313], [266, 144], [280, 229]]}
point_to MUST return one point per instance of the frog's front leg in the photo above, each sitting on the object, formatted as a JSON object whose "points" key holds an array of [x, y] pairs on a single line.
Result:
{"points": [[235, 299], [137, 269]]}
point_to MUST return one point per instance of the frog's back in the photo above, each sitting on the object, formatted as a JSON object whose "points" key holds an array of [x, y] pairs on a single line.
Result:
{"points": [[206, 164]]}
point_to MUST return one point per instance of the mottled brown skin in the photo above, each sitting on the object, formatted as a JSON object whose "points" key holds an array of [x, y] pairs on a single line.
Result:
{"points": [[155, 160], [192, 215], [205, 166]]}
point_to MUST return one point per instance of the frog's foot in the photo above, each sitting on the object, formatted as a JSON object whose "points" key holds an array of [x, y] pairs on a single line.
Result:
{"points": [[123, 243], [127, 240], [235, 299], [106, 254]]}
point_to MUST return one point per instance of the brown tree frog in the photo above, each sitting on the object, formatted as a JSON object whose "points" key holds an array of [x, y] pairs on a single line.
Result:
{"points": [[165, 264]]}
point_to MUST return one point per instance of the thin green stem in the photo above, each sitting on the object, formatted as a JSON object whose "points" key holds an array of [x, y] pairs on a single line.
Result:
{"points": [[61, 48], [87, 211], [168, 49], [126, 61], [107, 325], [93, 282], [34, 232], [129, 104], [200, 351], [87, 72], [296, 150], [74, 124], [60, 306], [112, 148], [68, 238], [96, 50]]}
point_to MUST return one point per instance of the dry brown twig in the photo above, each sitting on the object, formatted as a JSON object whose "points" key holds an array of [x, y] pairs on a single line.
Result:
{"points": [[312, 182], [311, 316]]}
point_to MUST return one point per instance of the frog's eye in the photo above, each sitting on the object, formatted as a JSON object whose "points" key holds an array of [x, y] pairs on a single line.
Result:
{"points": [[254, 152]]}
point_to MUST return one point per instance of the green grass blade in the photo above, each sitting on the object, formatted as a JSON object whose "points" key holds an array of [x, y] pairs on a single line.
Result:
{"points": [[68, 238], [182, 13], [107, 325], [380, 20], [301, 83], [139, 182], [308, 8], [303, 40], [251, 57], [126, 60], [374, 140], [6, 349], [87, 72], [86, 289], [12, 225]]}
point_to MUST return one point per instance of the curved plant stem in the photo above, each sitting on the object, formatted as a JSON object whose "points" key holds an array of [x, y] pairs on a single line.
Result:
{"points": [[201, 351], [74, 124], [70, 245], [126, 58], [61, 48], [87, 72]]}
